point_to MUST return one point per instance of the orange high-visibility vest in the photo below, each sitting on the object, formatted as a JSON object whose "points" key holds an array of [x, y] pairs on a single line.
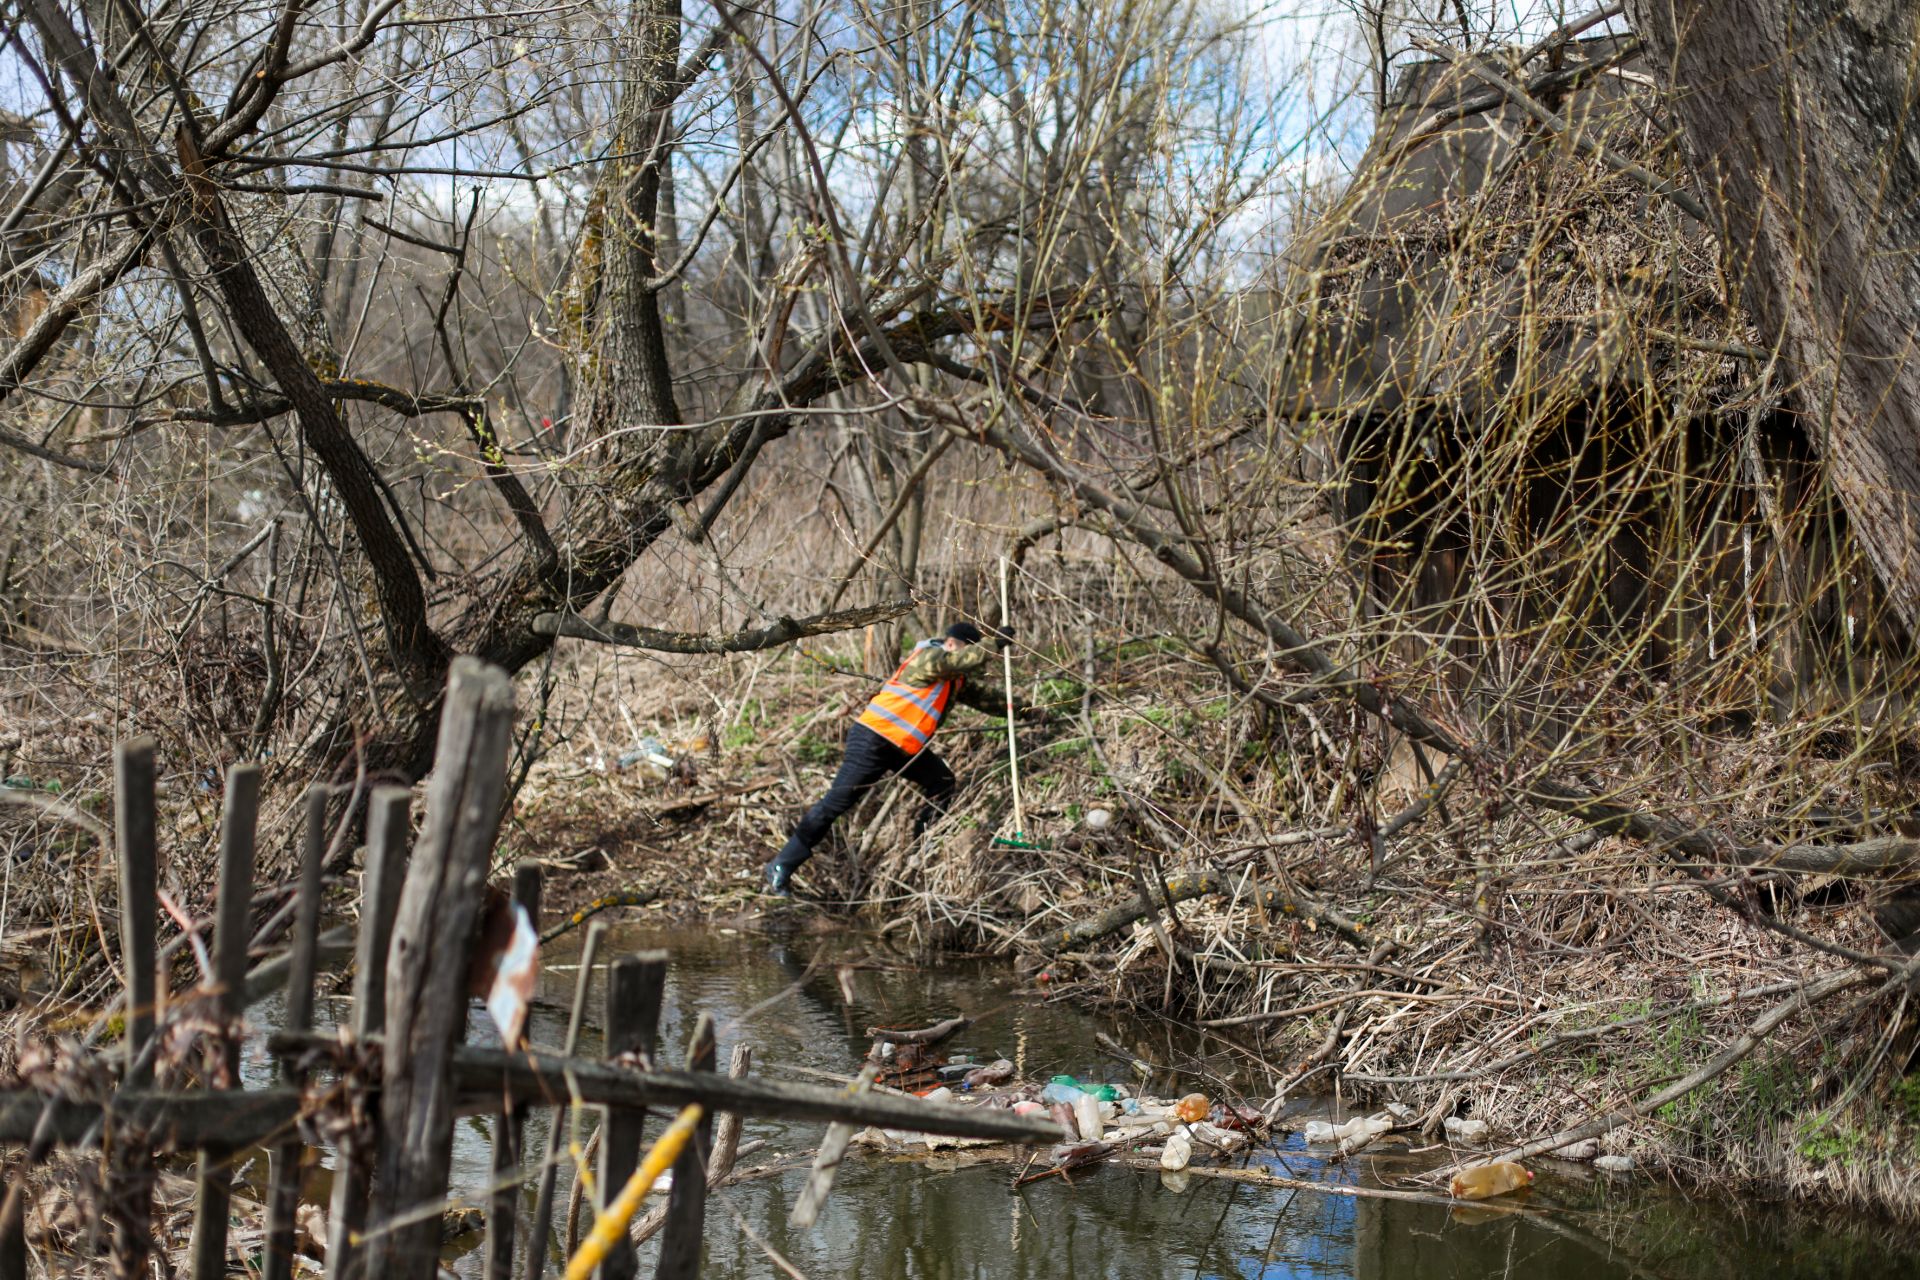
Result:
{"points": [[906, 715]]}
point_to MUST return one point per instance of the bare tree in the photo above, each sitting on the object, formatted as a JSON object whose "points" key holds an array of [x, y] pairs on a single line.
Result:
{"points": [[1799, 118]]}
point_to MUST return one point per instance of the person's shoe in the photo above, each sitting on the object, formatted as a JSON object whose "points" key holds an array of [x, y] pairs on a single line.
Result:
{"points": [[778, 882]]}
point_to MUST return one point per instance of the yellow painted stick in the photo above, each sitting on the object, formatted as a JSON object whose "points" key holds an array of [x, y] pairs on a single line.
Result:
{"points": [[612, 1224]]}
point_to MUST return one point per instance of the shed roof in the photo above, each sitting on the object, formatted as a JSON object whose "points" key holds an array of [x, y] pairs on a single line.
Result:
{"points": [[1491, 266]]}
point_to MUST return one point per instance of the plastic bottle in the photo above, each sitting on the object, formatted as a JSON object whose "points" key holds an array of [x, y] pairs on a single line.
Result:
{"points": [[942, 1094], [1057, 1092], [1358, 1127], [1028, 1107], [1193, 1108], [1461, 1130], [1179, 1150], [1484, 1180], [1086, 1113], [1063, 1116], [997, 1072], [1103, 1092]]}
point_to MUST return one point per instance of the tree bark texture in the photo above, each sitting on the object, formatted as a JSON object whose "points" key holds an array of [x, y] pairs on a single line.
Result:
{"points": [[1798, 118]]}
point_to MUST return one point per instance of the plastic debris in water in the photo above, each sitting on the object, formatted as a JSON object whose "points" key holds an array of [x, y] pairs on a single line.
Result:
{"points": [[1485, 1180], [998, 1072], [1054, 1092], [1358, 1127], [1469, 1131], [1179, 1150], [1193, 1108], [1086, 1113]]}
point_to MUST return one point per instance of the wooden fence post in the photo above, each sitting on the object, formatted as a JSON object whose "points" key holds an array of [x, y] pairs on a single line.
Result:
{"points": [[511, 1123], [232, 931], [139, 900], [388, 826], [635, 985], [542, 1228], [13, 1228], [427, 968], [283, 1188], [687, 1201], [130, 1183]]}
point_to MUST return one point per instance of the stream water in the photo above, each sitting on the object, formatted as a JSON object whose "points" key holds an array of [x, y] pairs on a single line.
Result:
{"points": [[941, 1218]]}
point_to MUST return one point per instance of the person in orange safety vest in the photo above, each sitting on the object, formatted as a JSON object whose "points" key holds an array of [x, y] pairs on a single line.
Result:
{"points": [[891, 738]]}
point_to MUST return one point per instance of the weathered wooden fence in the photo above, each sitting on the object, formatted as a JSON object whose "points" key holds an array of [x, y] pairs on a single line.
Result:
{"points": [[385, 1091]]}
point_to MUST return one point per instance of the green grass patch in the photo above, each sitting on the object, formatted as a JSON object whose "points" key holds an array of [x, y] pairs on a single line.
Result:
{"points": [[812, 750]]}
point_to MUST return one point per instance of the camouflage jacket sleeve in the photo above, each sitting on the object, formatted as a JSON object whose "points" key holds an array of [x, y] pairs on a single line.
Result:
{"points": [[934, 663]]}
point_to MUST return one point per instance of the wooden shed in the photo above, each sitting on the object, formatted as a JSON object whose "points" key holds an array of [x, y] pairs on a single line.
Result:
{"points": [[1557, 449]]}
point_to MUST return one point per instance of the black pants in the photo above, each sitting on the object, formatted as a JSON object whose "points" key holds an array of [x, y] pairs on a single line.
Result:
{"points": [[870, 760]]}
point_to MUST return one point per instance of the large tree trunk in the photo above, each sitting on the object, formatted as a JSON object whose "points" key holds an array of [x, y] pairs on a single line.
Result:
{"points": [[1798, 115]]}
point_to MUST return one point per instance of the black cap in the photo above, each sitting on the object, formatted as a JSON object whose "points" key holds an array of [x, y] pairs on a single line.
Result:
{"points": [[964, 632]]}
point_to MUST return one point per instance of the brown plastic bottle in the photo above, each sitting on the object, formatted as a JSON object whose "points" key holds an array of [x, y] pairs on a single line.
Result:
{"points": [[1485, 1180]]}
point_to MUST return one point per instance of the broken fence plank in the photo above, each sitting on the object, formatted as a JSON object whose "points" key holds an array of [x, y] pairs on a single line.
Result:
{"points": [[129, 1175], [213, 1197], [635, 985], [687, 1200], [388, 825], [283, 1185], [483, 1073], [427, 967], [214, 1120], [542, 1228]]}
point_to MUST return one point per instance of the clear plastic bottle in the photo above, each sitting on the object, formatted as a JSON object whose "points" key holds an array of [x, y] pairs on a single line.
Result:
{"points": [[1358, 1127], [1086, 1113]]}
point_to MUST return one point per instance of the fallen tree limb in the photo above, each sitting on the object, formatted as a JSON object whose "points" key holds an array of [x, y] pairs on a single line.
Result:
{"points": [[1261, 1178], [1197, 882], [544, 1078], [1560, 1039], [826, 1162], [780, 632], [1757, 1031], [924, 1035]]}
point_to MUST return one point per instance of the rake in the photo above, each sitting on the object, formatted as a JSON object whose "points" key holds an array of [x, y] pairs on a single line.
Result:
{"points": [[1019, 839]]}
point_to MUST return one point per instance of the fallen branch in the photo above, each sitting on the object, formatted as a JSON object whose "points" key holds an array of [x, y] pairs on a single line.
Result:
{"points": [[826, 1162], [1560, 1039], [1757, 1031], [780, 632], [1196, 882], [925, 1035]]}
